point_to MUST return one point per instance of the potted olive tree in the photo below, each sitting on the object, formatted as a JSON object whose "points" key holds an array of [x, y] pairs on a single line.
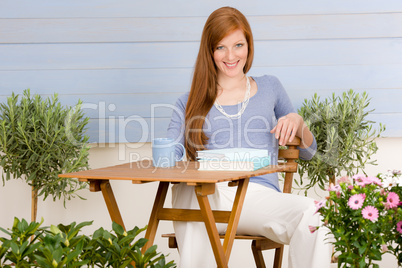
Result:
{"points": [[345, 137], [39, 139]]}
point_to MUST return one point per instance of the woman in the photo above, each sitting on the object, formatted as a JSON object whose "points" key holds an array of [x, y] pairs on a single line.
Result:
{"points": [[227, 109]]}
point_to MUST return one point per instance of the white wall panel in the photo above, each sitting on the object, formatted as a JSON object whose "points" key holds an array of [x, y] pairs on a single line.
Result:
{"points": [[185, 8], [132, 54], [91, 81], [296, 79], [183, 54], [126, 129], [184, 29]]}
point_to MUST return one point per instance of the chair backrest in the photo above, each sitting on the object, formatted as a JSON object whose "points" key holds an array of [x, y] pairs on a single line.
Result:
{"points": [[290, 154]]}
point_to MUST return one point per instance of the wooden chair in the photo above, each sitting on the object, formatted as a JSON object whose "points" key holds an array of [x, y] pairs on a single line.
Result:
{"points": [[260, 243]]}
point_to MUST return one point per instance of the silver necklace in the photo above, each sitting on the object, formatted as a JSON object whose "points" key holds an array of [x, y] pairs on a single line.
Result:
{"points": [[243, 105]]}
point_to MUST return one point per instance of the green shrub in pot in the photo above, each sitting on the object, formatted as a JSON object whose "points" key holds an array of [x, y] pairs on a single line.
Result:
{"points": [[39, 139], [64, 246], [345, 137]]}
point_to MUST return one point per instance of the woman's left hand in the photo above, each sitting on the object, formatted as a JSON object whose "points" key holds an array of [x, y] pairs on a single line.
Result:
{"points": [[287, 128]]}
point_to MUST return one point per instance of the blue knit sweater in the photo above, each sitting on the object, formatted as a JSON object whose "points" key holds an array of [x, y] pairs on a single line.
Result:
{"points": [[251, 130]]}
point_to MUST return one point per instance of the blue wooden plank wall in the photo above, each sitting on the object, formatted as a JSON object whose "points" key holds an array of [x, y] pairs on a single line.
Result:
{"points": [[126, 58]]}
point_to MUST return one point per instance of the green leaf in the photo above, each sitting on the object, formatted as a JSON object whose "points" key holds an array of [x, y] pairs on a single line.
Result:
{"points": [[54, 229], [362, 263], [119, 230]]}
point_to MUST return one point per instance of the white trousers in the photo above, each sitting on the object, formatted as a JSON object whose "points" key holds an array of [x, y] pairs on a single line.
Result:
{"points": [[280, 217]]}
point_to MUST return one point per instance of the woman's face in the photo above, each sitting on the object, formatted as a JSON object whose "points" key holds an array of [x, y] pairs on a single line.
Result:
{"points": [[230, 54]]}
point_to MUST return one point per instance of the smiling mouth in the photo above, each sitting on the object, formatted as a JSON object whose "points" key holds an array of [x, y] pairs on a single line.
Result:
{"points": [[231, 65]]}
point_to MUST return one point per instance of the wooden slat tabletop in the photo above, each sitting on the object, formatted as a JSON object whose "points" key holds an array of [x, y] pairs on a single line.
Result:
{"points": [[185, 171]]}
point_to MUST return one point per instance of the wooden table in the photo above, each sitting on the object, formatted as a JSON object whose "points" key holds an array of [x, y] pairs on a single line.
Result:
{"points": [[183, 172]]}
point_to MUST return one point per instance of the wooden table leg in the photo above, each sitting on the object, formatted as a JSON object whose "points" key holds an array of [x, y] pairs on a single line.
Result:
{"points": [[111, 203], [153, 219], [235, 216], [202, 192]]}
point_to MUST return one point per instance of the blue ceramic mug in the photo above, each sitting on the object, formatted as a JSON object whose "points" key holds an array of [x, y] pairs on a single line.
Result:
{"points": [[164, 153]]}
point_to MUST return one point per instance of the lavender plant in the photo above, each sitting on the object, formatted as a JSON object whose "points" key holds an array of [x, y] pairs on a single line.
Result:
{"points": [[345, 137]]}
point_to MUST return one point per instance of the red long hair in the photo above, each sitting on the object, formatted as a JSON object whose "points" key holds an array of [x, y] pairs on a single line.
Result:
{"points": [[203, 92]]}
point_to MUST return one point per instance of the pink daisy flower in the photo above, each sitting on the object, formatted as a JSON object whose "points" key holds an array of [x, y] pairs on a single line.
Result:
{"points": [[392, 200], [374, 180], [312, 228], [334, 188], [368, 180], [345, 180], [356, 201], [360, 180], [370, 213], [399, 227], [383, 191], [319, 204]]}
